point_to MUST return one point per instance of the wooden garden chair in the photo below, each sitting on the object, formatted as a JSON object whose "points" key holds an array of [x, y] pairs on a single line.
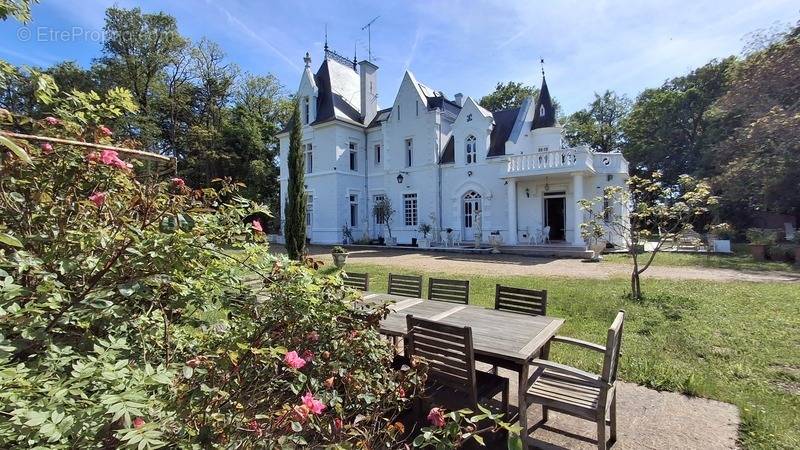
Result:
{"points": [[356, 280], [578, 393], [405, 285], [451, 364], [518, 300], [454, 291]]}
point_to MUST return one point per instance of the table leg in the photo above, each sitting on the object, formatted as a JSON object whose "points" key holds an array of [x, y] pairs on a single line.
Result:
{"points": [[522, 403]]}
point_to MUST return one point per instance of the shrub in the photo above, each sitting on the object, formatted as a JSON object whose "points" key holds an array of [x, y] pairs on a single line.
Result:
{"points": [[338, 249], [125, 322], [760, 236], [724, 231]]}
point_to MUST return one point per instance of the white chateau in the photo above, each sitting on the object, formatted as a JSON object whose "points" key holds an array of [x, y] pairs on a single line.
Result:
{"points": [[439, 160]]}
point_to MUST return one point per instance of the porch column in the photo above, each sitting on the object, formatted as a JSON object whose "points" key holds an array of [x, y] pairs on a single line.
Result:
{"points": [[512, 211], [577, 189]]}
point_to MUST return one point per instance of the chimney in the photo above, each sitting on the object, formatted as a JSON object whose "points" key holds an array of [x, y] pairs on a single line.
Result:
{"points": [[460, 99], [369, 90]]}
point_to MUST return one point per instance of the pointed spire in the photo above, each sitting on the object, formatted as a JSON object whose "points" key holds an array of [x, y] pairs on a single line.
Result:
{"points": [[326, 37], [545, 114]]}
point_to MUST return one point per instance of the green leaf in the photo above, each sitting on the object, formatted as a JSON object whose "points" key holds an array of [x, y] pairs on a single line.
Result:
{"points": [[15, 149], [10, 240], [296, 427], [187, 372], [478, 439], [514, 442]]}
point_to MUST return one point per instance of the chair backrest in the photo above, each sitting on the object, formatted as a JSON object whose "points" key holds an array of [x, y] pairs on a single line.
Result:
{"points": [[356, 280], [405, 285], [613, 343], [525, 301], [448, 352], [455, 291]]}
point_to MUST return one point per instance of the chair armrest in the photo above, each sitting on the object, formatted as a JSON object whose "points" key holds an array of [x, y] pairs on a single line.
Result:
{"points": [[541, 365], [580, 343]]}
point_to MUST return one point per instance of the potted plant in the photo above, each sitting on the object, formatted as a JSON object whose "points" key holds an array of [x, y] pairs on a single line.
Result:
{"points": [[347, 235], [339, 256], [594, 234], [424, 228], [720, 237], [759, 239], [383, 212], [449, 237], [496, 240]]}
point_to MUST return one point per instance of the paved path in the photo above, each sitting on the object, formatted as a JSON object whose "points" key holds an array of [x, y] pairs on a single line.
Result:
{"points": [[469, 264], [646, 419]]}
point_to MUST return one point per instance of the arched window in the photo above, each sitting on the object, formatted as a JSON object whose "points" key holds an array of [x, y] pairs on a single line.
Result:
{"points": [[472, 156]]}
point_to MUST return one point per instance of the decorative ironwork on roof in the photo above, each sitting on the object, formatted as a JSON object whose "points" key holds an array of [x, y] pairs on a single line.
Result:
{"points": [[330, 54]]}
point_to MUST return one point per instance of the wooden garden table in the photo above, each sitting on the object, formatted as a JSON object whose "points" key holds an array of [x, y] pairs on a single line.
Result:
{"points": [[501, 338]]}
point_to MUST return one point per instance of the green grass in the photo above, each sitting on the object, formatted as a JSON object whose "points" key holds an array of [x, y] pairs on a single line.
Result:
{"points": [[737, 261], [733, 342]]}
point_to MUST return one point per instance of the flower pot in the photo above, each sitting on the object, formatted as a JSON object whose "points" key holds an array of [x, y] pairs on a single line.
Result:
{"points": [[722, 246], [478, 237], [758, 251], [339, 259], [597, 250], [424, 243]]}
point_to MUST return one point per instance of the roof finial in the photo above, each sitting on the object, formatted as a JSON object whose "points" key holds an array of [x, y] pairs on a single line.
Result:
{"points": [[326, 37], [541, 61], [355, 54], [307, 60]]}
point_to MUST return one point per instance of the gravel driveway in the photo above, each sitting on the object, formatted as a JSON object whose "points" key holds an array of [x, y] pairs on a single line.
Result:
{"points": [[469, 264]]}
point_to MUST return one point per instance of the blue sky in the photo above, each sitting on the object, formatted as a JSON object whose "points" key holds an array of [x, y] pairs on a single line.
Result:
{"points": [[588, 45]]}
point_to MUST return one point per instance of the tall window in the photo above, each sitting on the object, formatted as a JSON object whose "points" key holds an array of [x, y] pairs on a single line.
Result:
{"points": [[353, 157], [409, 152], [375, 200], [377, 154], [410, 209], [306, 110], [309, 210], [417, 107], [471, 151], [309, 158], [543, 159], [353, 210]]}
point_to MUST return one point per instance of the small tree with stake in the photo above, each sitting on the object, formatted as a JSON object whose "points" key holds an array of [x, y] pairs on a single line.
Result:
{"points": [[383, 212], [647, 205], [295, 226]]}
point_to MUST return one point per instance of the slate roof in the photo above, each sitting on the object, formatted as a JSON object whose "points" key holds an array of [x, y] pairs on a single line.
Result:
{"points": [[449, 153], [548, 119], [436, 99], [339, 93], [381, 116], [503, 124]]}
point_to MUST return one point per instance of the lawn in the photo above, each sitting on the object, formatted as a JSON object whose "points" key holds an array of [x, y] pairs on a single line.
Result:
{"points": [[741, 260], [734, 342]]}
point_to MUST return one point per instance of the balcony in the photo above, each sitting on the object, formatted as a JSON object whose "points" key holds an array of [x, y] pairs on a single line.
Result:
{"points": [[553, 161]]}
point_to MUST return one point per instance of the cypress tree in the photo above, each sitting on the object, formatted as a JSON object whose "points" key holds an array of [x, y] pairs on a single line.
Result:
{"points": [[295, 224]]}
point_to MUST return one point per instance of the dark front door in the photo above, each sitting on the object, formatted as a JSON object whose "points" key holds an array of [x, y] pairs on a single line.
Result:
{"points": [[554, 215]]}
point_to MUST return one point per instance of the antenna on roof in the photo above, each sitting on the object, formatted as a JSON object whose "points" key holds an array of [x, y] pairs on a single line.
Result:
{"points": [[368, 27]]}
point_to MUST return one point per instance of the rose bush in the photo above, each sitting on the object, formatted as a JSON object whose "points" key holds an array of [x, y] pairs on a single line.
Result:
{"points": [[126, 319]]}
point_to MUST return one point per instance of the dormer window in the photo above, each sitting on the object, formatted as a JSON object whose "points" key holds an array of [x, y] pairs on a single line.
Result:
{"points": [[306, 110], [541, 110], [471, 150]]}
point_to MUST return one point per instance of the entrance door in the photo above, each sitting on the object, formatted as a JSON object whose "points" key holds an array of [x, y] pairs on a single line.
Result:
{"points": [[472, 207], [554, 217]]}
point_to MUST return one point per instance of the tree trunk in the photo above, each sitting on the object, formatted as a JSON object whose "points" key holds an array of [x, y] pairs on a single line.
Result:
{"points": [[636, 289]]}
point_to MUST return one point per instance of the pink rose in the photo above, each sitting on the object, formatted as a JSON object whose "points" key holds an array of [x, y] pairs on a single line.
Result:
{"points": [[52, 120], [178, 182], [98, 198], [93, 157], [111, 158], [47, 148], [257, 226], [308, 356], [337, 424], [293, 360], [138, 422], [401, 392], [314, 406], [105, 130], [436, 417]]}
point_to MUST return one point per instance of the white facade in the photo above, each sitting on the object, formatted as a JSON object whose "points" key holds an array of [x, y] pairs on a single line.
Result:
{"points": [[453, 156]]}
